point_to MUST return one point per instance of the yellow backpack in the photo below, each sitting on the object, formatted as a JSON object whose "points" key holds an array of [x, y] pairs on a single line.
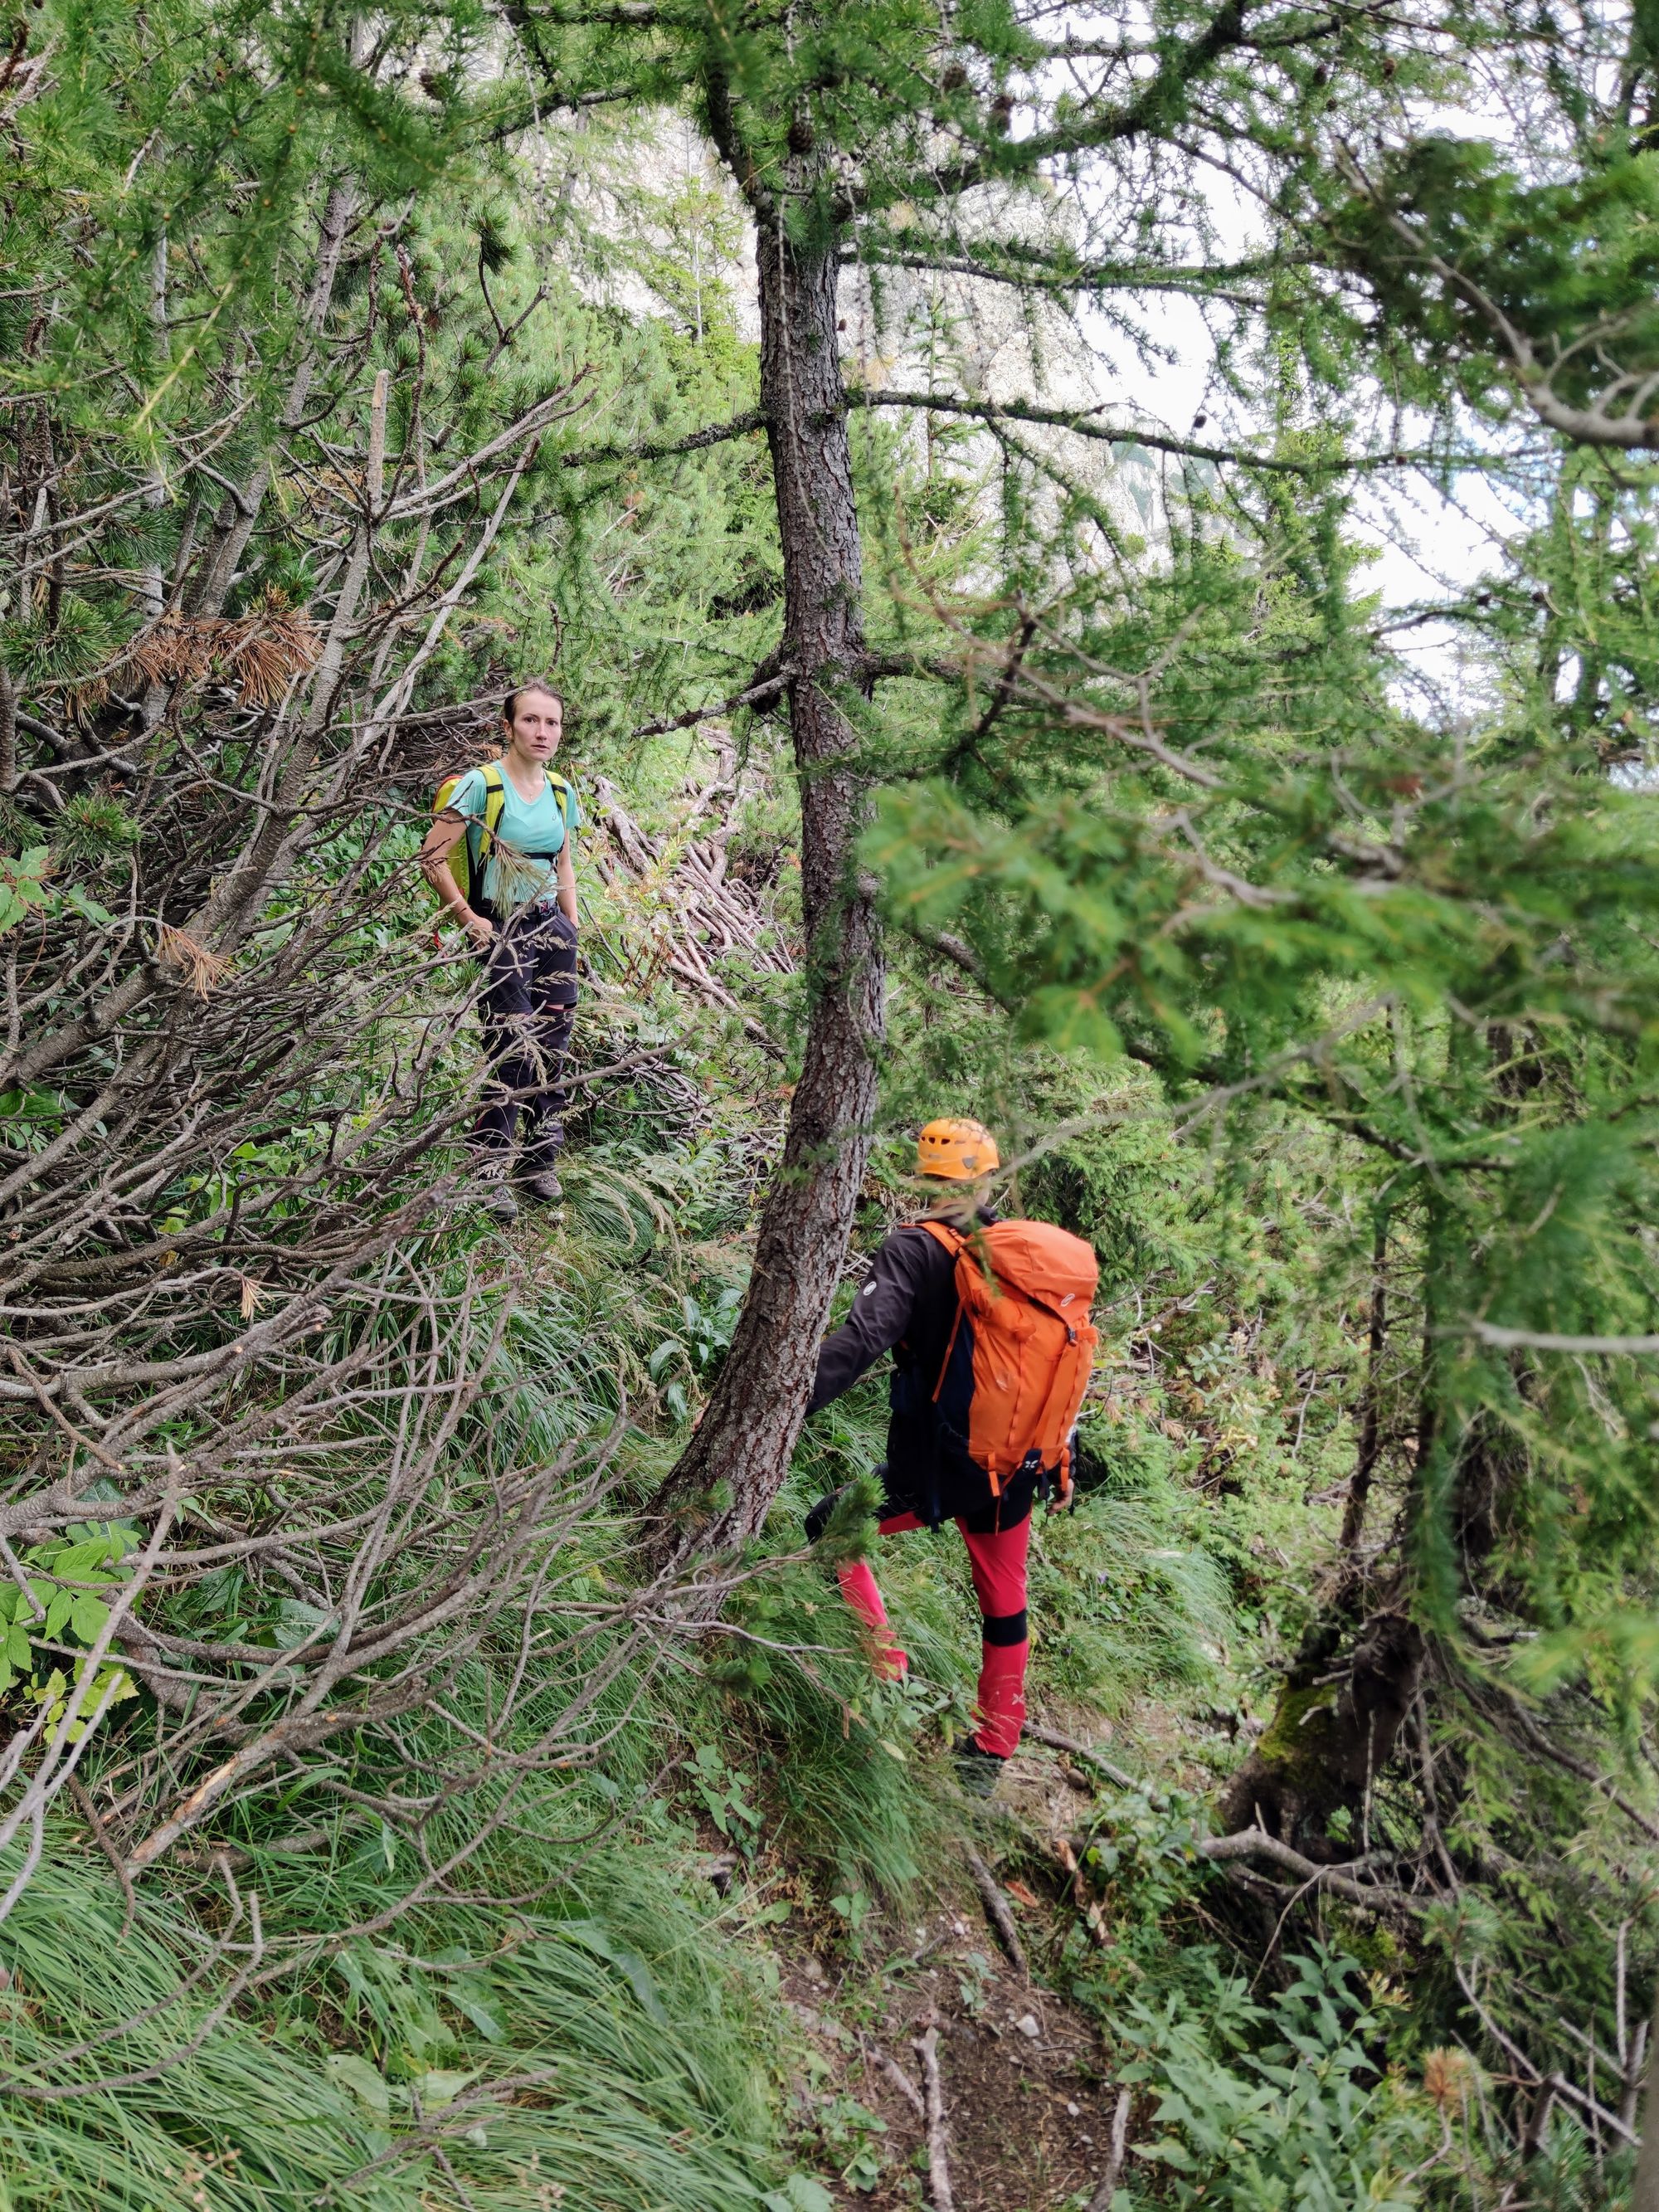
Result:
{"points": [[468, 857]]}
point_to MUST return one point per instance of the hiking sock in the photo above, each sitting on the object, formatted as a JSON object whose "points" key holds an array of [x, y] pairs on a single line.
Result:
{"points": [[858, 1588], [1001, 1704]]}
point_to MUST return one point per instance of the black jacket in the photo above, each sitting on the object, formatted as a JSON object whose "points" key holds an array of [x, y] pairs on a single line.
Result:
{"points": [[907, 1305]]}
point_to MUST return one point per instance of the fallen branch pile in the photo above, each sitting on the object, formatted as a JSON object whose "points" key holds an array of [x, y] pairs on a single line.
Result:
{"points": [[687, 910]]}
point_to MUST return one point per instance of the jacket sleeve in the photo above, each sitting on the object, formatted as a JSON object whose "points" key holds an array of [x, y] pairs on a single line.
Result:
{"points": [[882, 1313]]}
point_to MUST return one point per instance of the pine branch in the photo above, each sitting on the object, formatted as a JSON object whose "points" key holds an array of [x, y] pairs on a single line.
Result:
{"points": [[765, 686], [461, 481], [1081, 422], [727, 134], [510, 122], [1533, 1339], [616, 14], [650, 449], [1633, 430], [1159, 101], [876, 666], [1029, 268], [949, 947]]}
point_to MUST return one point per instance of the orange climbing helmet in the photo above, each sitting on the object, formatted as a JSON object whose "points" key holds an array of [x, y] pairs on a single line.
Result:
{"points": [[957, 1151]]}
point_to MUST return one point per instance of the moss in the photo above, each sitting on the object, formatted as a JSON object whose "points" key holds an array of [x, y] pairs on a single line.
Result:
{"points": [[1287, 1742], [1374, 1948]]}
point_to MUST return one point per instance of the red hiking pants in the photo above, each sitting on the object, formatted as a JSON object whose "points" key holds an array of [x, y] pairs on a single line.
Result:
{"points": [[997, 1561]]}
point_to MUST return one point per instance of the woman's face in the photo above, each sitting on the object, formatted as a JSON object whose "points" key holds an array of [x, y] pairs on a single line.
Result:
{"points": [[537, 726]]}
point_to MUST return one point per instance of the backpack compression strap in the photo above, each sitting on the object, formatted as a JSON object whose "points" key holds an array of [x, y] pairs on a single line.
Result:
{"points": [[956, 1244]]}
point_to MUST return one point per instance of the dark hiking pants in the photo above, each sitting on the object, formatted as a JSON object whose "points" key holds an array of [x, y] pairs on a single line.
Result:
{"points": [[527, 1006]]}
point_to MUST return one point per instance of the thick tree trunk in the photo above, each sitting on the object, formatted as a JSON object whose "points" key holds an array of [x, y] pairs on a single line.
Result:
{"points": [[1331, 1736], [1337, 1717], [721, 1488], [1644, 2190]]}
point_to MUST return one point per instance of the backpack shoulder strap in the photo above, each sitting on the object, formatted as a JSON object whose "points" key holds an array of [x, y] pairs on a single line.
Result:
{"points": [[970, 1247], [494, 793], [566, 798], [956, 1244], [482, 832]]}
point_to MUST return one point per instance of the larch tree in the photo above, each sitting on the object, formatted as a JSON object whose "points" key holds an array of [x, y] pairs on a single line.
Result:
{"points": [[1233, 843], [1191, 809], [887, 136]]}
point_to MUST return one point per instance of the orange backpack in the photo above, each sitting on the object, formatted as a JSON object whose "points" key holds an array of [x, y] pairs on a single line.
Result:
{"points": [[1024, 1289]]}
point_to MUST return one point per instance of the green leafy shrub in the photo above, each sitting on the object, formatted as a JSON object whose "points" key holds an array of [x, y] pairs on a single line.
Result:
{"points": [[70, 1581], [1285, 2106]]}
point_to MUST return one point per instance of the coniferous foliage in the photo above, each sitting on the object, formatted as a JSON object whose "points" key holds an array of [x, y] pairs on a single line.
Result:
{"points": [[261, 450], [878, 138], [355, 366], [1177, 807]]}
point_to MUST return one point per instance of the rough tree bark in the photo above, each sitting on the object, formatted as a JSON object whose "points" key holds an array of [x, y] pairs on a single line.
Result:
{"points": [[1337, 1719], [720, 1490], [1644, 2190], [1331, 1736]]}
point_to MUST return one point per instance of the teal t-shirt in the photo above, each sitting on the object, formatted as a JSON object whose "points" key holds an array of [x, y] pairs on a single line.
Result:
{"points": [[511, 878]]}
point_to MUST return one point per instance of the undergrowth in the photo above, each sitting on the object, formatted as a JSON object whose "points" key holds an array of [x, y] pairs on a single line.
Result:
{"points": [[607, 2056], [586, 2010]]}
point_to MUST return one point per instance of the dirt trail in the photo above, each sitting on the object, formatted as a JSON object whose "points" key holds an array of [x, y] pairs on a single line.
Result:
{"points": [[1028, 2101]]}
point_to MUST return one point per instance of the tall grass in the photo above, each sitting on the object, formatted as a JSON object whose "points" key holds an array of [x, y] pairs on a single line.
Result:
{"points": [[619, 2051], [570, 2022], [573, 1979]]}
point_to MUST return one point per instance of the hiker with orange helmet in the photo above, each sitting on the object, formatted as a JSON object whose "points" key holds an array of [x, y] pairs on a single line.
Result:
{"points": [[988, 1321]]}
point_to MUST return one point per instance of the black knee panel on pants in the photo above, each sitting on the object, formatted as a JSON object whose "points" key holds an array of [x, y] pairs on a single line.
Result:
{"points": [[1004, 1628]]}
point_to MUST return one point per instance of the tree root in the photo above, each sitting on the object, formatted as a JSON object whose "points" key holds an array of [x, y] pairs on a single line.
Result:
{"points": [[938, 2163], [896, 2074], [1106, 2189], [1056, 1741], [996, 1911], [1242, 1843], [1256, 1842]]}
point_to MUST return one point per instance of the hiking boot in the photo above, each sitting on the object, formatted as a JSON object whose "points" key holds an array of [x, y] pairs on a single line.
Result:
{"points": [[823, 1512], [493, 1195], [978, 1772], [544, 1185]]}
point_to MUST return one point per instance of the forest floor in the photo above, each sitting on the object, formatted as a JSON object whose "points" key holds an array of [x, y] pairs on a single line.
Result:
{"points": [[1028, 2098], [1028, 2109]]}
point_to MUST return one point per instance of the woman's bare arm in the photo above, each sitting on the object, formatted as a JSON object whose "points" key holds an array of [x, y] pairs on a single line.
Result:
{"points": [[441, 840]]}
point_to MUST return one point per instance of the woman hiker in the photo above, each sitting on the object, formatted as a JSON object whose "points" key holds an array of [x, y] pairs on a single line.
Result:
{"points": [[519, 909]]}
